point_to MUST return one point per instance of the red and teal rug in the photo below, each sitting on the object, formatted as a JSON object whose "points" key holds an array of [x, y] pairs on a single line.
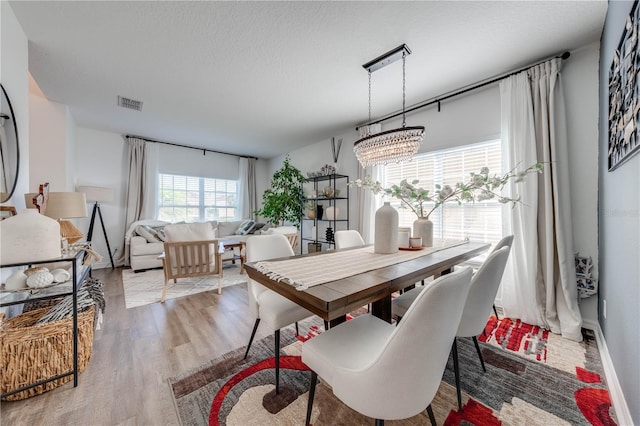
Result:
{"points": [[533, 378]]}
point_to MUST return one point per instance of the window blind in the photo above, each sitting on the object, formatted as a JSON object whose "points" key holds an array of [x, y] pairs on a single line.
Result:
{"points": [[476, 221]]}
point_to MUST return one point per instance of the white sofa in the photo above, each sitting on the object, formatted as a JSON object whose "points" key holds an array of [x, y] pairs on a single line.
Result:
{"points": [[144, 241]]}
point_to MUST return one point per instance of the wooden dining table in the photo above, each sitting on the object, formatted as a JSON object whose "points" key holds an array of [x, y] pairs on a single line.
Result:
{"points": [[333, 300]]}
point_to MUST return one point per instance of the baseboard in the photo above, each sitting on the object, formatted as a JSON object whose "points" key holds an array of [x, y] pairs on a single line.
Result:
{"points": [[615, 391]]}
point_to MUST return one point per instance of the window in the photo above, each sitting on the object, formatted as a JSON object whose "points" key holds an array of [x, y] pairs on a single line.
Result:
{"points": [[194, 199], [477, 221]]}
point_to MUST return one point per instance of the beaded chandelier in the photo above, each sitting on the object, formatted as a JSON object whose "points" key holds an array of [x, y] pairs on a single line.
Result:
{"points": [[390, 146]]}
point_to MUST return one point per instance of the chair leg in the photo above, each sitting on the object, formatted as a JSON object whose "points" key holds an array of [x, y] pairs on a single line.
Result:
{"points": [[253, 334], [495, 311], [379, 422], [312, 393], [432, 418], [276, 335], [456, 370], [475, 341], [297, 330], [164, 291], [220, 285]]}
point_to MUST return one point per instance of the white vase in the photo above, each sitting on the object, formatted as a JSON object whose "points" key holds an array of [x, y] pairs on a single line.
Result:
{"points": [[332, 212], [29, 237], [17, 280], [386, 230], [423, 227]]}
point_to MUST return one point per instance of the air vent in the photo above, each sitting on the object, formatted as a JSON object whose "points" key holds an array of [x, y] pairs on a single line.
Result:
{"points": [[129, 103]]}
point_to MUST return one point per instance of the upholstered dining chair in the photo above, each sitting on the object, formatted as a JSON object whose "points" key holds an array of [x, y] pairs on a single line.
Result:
{"points": [[477, 308], [348, 238], [190, 250], [389, 372], [268, 306], [400, 304]]}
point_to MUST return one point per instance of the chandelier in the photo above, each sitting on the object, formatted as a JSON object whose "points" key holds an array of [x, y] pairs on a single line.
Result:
{"points": [[391, 146]]}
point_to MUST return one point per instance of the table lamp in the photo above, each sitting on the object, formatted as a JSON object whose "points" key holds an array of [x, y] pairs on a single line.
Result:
{"points": [[98, 195], [61, 206]]}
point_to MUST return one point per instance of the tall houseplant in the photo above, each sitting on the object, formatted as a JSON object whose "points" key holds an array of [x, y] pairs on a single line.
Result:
{"points": [[281, 202]]}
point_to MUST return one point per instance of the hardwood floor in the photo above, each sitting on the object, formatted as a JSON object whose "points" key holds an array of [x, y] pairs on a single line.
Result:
{"points": [[134, 354]]}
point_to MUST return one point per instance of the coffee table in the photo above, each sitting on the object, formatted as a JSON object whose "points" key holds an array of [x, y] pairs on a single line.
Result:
{"points": [[232, 244]]}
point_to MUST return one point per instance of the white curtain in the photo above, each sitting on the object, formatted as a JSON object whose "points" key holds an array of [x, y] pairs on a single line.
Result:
{"points": [[142, 186], [367, 201], [540, 285], [248, 201]]}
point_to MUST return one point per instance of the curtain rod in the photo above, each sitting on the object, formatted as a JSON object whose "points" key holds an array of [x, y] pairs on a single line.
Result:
{"points": [[204, 150], [461, 91]]}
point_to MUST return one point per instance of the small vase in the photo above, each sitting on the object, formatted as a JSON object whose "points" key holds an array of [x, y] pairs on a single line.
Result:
{"points": [[17, 280], [386, 230], [319, 211], [311, 214], [423, 227], [332, 212]]}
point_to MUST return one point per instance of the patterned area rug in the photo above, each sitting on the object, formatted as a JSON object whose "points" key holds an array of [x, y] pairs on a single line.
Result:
{"points": [[532, 378], [143, 288]]}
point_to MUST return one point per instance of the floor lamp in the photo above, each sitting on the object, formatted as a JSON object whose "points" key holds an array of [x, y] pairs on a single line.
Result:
{"points": [[98, 195]]}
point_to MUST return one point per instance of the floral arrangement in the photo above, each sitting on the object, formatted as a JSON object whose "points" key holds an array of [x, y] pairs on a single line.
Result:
{"points": [[479, 187]]}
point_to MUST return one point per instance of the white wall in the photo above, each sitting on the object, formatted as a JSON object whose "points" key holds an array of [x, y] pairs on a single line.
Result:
{"points": [[619, 233], [50, 145], [101, 160], [14, 77]]}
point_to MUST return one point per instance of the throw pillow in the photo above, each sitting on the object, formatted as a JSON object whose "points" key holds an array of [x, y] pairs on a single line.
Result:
{"points": [[258, 226], [245, 227], [147, 233], [159, 232]]}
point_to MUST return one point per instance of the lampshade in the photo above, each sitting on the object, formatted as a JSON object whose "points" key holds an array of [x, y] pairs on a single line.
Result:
{"points": [[97, 193], [64, 205]]}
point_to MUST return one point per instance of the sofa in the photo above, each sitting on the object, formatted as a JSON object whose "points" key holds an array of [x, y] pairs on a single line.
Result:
{"points": [[144, 240]]}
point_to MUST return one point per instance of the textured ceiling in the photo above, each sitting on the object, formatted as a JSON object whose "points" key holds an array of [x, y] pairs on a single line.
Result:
{"points": [[262, 78]]}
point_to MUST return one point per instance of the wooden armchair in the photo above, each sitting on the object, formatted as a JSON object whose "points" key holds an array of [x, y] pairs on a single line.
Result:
{"points": [[183, 259]]}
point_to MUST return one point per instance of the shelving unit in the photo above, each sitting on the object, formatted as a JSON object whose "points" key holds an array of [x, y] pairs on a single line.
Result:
{"points": [[79, 273], [313, 230]]}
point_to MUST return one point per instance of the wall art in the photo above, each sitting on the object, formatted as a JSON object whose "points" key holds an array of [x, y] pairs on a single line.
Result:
{"points": [[624, 95]]}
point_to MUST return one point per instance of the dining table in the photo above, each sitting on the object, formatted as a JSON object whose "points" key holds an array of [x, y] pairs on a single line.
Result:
{"points": [[332, 299]]}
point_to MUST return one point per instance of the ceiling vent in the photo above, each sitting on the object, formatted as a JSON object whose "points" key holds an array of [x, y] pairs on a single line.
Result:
{"points": [[129, 103]]}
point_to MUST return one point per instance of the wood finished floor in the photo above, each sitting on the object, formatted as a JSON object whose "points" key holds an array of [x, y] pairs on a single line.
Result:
{"points": [[134, 354]]}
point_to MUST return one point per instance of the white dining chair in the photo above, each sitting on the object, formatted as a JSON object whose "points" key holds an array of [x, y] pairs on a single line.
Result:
{"points": [[389, 372], [484, 287], [268, 306], [348, 238], [400, 304]]}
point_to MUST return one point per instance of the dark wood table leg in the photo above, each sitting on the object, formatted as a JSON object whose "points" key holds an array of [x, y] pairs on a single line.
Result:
{"points": [[382, 308], [337, 321]]}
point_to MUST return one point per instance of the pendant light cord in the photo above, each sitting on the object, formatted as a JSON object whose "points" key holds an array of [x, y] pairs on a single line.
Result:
{"points": [[369, 95], [404, 56]]}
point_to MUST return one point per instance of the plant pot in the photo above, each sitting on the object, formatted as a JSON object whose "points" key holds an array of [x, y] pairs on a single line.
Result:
{"points": [[311, 214], [423, 227]]}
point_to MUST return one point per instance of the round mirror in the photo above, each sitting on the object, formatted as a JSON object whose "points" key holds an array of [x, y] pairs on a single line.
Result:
{"points": [[9, 149]]}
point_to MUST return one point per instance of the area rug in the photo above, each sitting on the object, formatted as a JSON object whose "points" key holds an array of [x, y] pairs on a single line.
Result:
{"points": [[527, 382], [143, 288]]}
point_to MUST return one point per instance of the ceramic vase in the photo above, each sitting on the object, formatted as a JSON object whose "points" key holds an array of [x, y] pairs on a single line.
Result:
{"points": [[423, 227], [332, 212], [319, 211], [29, 237], [17, 280], [386, 230]]}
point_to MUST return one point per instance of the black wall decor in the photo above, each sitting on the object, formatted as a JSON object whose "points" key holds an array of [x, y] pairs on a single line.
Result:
{"points": [[624, 94]]}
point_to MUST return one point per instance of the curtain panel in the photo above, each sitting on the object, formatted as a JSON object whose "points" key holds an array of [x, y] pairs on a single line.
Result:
{"points": [[539, 286]]}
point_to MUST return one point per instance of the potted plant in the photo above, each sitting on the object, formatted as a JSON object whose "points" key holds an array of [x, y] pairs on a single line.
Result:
{"points": [[310, 209], [281, 202], [478, 187]]}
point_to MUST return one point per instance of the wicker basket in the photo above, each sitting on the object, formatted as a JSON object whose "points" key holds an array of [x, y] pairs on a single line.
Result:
{"points": [[31, 353]]}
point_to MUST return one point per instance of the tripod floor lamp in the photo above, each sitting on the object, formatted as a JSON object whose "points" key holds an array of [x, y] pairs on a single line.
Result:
{"points": [[98, 195]]}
